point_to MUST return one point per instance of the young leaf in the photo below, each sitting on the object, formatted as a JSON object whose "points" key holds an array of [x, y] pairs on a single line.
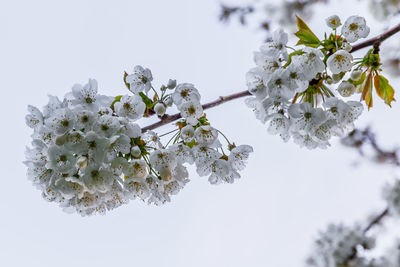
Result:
{"points": [[127, 84], [116, 99], [367, 91], [146, 100], [383, 89], [305, 34], [360, 81], [295, 53]]}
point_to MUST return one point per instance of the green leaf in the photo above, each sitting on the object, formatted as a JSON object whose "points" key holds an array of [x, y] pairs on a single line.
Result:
{"points": [[366, 94], [295, 53], [383, 89], [305, 34], [360, 81], [127, 84], [146, 100], [117, 99]]}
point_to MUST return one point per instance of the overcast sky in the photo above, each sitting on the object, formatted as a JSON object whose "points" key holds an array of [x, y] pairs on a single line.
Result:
{"points": [[268, 218]]}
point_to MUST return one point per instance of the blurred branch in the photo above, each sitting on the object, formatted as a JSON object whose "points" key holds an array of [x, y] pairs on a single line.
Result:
{"points": [[377, 219], [227, 12], [363, 139]]}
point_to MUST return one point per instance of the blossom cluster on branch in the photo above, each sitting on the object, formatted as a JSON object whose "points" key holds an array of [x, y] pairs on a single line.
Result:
{"points": [[293, 92], [89, 154]]}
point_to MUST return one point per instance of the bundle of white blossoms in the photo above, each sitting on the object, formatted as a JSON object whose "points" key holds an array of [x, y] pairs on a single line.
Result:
{"points": [[90, 156], [340, 245], [292, 92]]}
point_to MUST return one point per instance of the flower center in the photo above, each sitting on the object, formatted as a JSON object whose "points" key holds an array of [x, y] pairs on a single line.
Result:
{"points": [[353, 27]]}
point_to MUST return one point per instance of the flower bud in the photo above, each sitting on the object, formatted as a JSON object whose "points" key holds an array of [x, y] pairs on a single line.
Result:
{"points": [[346, 89], [333, 22], [135, 152], [171, 84], [337, 77], [347, 47], [356, 75], [160, 109], [168, 102]]}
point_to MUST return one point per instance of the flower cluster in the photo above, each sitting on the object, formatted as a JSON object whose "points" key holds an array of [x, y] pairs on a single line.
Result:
{"points": [[292, 92], [89, 154], [339, 245]]}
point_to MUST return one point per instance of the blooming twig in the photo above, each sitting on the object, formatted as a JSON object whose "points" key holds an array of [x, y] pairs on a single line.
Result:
{"points": [[170, 118]]}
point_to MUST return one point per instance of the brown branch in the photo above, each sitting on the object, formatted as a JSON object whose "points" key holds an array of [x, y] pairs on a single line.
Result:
{"points": [[377, 220], [170, 118], [377, 40]]}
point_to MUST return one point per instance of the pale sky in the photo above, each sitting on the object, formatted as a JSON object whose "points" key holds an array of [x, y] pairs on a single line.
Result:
{"points": [[267, 218]]}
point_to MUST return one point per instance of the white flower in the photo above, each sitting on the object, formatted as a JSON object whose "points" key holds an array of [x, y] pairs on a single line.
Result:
{"points": [[340, 61], [308, 141], [62, 121], [84, 119], [53, 105], [97, 179], [182, 153], [185, 92], [305, 118], [60, 159], [277, 85], [152, 139], [123, 144], [277, 46], [191, 111], [136, 169], [187, 133], [95, 146], [35, 118], [280, 125], [220, 171], [266, 62], [295, 79], [310, 63], [239, 156], [333, 21], [346, 89], [139, 80], [355, 28], [163, 158], [132, 107], [345, 113], [87, 96], [132, 130], [204, 157], [206, 135], [107, 125], [255, 84], [70, 187]]}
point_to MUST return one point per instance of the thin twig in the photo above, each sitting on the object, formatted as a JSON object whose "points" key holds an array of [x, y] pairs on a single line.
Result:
{"points": [[378, 39], [377, 220], [170, 118]]}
